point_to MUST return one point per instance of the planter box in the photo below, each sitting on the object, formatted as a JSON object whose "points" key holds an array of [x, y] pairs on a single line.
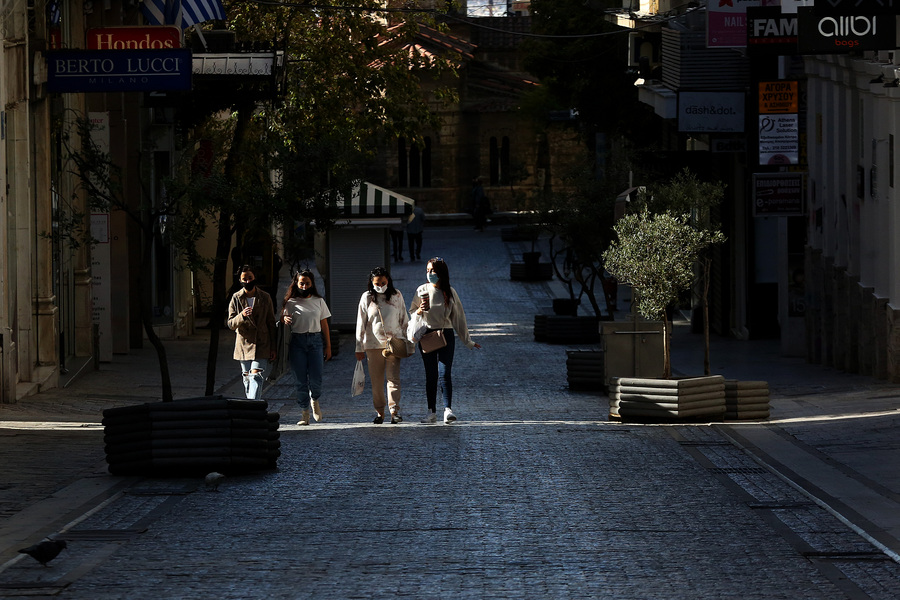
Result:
{"points": [[633, 349], [191, 437], [584, 370], [558, 329], [667, 399], [746, 399]]}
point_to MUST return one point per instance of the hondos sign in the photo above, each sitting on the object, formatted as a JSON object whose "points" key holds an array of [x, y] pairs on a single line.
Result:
{"points": [[778, 97]]}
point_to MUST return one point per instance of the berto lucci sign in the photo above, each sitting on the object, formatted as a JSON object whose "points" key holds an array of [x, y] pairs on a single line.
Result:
{"points": [[118, 70], [822, 32]]}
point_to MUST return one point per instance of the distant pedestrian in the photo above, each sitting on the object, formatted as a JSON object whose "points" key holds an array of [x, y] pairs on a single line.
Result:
{"points": [[396, 230], [414, 229], [381, 316], [481, 206], [305, 311], [439, 304], [251, 315]]}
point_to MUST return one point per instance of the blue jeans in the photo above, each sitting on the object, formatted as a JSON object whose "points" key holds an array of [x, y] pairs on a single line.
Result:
{"points": [[253, 382], [438, 369], [307, 358]]}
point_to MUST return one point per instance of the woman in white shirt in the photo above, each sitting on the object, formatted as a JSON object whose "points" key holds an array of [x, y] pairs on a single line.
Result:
{"points": [[381, 316], [439, 305], [305, 311]]}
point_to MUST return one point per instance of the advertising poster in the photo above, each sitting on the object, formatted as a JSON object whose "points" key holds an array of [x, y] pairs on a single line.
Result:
{"points": [[778, 195], [779, 140]]}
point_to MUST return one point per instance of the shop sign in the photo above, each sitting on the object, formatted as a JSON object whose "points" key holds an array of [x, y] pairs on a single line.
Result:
{"points": [[711, 112], [779, 140], [118, 70], [778, 195], [769, 31], [830, 33], [134, 38], [778, 97], [726, 22]]}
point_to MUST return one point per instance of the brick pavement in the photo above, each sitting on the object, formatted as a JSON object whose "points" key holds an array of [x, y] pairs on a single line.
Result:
{"points": [[533, 494]]}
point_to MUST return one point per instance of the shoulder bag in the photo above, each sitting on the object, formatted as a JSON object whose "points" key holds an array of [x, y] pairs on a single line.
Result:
{"points": [[433, 340], [394, 345]]}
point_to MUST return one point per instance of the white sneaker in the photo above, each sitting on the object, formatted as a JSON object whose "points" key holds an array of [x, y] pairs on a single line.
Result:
{"points": [[316, 409], [449, 417], [304, 418], [431, 418]]}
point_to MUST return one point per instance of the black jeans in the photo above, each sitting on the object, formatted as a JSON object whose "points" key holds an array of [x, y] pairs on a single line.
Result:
{"points": [[397, 243], [415, 245], [438, 369]]}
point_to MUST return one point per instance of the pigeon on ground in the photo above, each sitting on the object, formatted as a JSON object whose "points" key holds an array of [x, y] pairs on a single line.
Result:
{"points": [[213, 480], [45, 551]]}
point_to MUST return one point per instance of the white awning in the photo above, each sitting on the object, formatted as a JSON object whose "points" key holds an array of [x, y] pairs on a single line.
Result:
{"points": [[370, 200]]}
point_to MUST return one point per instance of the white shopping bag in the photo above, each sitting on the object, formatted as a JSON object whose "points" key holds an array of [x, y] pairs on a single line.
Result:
{"points": [[416, 328], [359, 379]]}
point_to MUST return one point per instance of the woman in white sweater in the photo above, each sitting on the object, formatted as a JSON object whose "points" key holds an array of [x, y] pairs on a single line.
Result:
{"points": [[381, 316], [439, 305]]}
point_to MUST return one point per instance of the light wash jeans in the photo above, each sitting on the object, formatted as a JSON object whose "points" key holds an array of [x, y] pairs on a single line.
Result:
{"points": [[307, 358], [253, 382]]}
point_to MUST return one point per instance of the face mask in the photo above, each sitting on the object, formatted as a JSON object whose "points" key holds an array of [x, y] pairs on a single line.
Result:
{"points": [[304, 293], [380, 288], [248, 285], [433, 278]]}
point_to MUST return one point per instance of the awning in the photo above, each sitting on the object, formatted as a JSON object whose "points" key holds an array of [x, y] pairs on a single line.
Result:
{"points": [[370, 200]]}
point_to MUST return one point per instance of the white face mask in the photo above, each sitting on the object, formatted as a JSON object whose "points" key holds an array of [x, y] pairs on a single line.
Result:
{"points": [[380, 288]]}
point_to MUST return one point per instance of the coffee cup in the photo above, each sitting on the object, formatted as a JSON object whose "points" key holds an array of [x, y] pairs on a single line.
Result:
{"points": [[424, 296]]}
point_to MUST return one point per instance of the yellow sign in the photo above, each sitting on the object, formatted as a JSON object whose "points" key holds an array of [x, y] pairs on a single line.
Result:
{"points": [[778, 97]]}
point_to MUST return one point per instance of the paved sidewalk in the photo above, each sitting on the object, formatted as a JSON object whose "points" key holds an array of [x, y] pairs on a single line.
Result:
{"points": [[533, 494]]}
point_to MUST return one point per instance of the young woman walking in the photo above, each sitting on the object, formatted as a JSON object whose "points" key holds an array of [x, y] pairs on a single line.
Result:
{"points": [[252, 317], [305, 311], [439, 305], [381, 316]]}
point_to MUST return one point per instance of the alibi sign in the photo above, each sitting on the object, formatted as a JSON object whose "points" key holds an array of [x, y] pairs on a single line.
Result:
{"points": [[118, 70], [822, 32]]}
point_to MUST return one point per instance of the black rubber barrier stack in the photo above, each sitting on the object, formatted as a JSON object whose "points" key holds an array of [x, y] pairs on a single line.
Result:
{"points": [[584, 370], [191, 436]]}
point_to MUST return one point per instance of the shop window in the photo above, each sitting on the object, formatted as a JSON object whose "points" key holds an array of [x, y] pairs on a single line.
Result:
{"points": [[499, 161], [414, 164]]}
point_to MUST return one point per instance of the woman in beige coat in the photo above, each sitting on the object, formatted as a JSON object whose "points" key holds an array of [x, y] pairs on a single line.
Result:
{"points": [[252, 315]]}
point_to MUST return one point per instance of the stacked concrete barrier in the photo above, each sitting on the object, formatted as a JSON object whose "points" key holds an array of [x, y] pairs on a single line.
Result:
{"points": [[746, 399], [191, 436], [584, 370], [667, 399]]}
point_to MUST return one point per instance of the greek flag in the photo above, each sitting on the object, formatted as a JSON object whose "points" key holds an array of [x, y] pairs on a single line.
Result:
{"points": [[182, 13]]}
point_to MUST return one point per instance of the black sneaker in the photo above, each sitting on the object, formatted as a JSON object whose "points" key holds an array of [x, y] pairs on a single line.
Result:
{"points": [[396, 419], [378, 420]]}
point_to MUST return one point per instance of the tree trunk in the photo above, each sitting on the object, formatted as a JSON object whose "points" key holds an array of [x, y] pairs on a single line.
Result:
{"points": [[667, 347], [704, 302], [223, 247], [146, 313]]}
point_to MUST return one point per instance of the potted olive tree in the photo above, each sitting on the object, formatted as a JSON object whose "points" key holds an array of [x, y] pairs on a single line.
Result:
{"points": [[656, 253]]}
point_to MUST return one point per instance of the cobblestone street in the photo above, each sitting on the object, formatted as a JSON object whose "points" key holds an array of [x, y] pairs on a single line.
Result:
{"points": [[533, 493]]}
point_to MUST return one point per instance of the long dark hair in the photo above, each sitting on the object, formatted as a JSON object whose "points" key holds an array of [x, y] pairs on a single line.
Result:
{"points": [[294, 292], [381, 272], [443, 273]]}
